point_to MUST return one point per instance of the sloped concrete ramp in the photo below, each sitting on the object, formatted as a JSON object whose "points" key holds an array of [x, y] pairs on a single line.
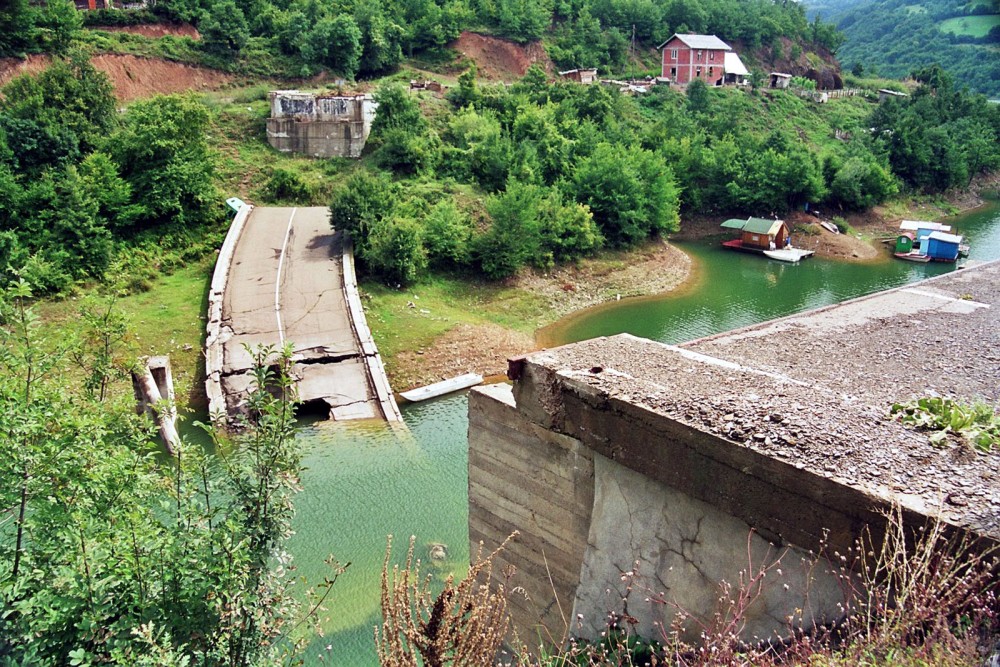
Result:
{"points": [[285, 277]]}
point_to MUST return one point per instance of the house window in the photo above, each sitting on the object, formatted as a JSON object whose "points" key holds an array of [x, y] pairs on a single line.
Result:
{"points": [[711, 55], [697, 72], [673, 54], [711, 72], [699, 54]]}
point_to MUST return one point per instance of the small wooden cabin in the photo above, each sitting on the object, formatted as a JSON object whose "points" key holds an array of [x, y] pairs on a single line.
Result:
{"points": [[580, 75], [760, 233]]}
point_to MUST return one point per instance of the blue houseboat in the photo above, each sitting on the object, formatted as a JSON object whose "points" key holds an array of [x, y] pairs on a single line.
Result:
{"points": [[942, 247]]}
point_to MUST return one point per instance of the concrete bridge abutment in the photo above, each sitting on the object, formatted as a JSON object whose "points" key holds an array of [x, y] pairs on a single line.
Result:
{"points": [[641, 475]]}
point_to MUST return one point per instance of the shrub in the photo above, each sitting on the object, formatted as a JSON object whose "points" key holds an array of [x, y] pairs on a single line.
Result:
{"points": [[447, 235], [513, 238], [287, 185], [394, 249]]}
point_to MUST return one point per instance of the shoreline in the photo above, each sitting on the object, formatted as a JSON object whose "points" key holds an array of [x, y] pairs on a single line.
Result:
{"points": [[655, 268]]}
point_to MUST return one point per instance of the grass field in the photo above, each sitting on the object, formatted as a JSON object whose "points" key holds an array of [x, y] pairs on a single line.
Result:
{"points": [[973, 26], [168, 319]]}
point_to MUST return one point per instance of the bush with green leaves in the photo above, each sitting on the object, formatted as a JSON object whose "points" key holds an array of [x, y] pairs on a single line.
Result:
{"points": [[394, 250], [447, 235], [113, 555], [631, 193], [514, 237], [287, 185]]}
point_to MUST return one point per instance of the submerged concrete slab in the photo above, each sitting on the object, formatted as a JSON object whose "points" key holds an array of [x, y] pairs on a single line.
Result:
{"points": [[780, 430]]}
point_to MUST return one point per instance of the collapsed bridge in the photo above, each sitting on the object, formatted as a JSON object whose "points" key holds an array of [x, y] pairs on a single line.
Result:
{"points": [[284, 276]]}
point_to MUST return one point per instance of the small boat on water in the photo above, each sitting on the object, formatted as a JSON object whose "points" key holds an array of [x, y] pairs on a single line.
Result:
{"points": [[935, 245], [441, 388], [791, 255], [771, 238], [912, 256]]}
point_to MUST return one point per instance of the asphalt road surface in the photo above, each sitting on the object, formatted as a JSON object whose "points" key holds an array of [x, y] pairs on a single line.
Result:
{"points": [[285, 286]]}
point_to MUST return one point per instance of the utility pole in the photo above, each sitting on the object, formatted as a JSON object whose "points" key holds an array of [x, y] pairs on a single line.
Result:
{"points": [[631, 60]]}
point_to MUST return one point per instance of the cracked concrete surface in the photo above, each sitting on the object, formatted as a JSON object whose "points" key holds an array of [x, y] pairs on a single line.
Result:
{"points": [[671, 552], [286, 283]]}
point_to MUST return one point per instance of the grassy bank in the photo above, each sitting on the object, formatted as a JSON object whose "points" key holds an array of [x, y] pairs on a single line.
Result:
{"points": [[167, 319]]}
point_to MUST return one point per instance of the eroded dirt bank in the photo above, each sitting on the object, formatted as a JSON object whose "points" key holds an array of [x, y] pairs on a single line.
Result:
{"points": [[133, 77]]}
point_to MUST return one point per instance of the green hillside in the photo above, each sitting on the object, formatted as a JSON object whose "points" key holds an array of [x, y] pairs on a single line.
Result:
{"points": [[895, 37]]}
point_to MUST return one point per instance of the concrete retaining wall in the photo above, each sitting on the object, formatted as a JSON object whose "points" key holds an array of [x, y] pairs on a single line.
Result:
{"points": [[585, 520], [656, 472], [523, 477]]}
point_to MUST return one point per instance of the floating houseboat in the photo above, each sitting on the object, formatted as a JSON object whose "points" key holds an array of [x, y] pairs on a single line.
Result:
{"points": [[921, 241], [906, 248], [943, 247], [771, 238]]}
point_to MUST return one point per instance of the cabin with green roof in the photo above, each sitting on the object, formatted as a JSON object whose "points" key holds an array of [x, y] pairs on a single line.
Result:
{"points": [[758, 234]]}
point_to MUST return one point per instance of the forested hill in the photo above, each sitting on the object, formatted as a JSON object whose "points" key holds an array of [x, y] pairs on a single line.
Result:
{"points": [[895, 37], [367, 38]]}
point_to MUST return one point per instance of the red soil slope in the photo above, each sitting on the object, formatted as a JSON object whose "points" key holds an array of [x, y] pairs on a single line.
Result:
{"points": [[499, 59], [133, 77], [154, 29]]}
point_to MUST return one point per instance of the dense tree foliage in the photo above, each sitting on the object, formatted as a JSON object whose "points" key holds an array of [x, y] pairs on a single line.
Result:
{"points": [[538, 173], [940, 137], [356, 38], [893, 37], [77, 178]]}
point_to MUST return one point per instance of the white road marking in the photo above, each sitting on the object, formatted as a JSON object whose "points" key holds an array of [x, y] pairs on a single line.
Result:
{"points": [[974, 304], [277, 282]]}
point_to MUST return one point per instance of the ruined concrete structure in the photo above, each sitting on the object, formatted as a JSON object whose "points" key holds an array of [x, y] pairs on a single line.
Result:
{"points": [[320, 125], [153, 385], [641, 475]]}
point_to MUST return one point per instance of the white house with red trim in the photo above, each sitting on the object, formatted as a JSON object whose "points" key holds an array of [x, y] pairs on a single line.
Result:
{"points": [[706, 57]]}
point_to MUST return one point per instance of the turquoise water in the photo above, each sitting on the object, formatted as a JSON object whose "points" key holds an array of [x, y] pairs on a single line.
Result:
{"points": [[364, 481], [732, 289]]}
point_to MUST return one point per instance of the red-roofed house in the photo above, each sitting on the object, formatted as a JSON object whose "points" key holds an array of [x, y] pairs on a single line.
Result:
{"points": [[705, 57]]}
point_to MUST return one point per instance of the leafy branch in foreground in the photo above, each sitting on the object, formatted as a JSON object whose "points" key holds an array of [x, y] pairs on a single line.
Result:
{"points": [[975, 422], [111, 553]]}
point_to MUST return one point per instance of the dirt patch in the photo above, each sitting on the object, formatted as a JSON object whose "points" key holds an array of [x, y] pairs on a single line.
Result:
{"points": [[14, 67], [482, 349], [498, 59], [153, 29], [133, 77], [655, 268]]}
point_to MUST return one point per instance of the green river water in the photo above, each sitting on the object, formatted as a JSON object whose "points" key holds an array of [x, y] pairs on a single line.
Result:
{"points": [[363, 481]]}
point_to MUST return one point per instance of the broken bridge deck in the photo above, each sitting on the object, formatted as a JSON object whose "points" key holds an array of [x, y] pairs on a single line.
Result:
{"points": [[284, 277]]}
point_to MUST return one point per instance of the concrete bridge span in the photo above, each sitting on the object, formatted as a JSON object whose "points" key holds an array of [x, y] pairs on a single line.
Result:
{"points": [[641, 475], [285, 277]]}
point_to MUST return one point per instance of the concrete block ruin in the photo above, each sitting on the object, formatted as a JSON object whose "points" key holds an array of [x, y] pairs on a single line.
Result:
{"points": [[153, 384], [641, 475], [320, 125]]}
